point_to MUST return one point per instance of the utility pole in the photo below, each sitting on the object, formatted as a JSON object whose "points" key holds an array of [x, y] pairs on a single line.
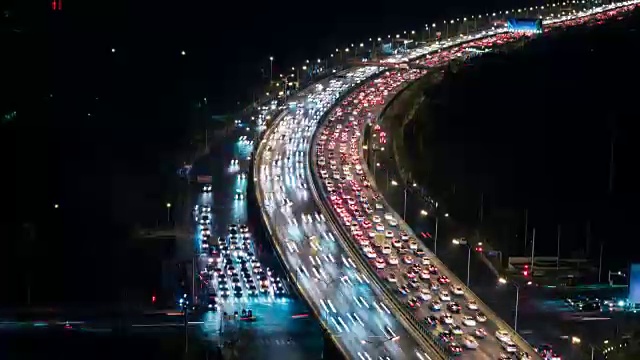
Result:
{"points": [[526, 228], [533, 249], [611, 163], [600, 263], [588, 238], [558, 256], [481, 207]]}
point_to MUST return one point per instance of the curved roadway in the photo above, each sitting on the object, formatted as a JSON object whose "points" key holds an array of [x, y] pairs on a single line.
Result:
{"points": [[340, 295]]}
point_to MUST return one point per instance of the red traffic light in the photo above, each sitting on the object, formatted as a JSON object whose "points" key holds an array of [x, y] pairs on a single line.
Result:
{"points": [[153, 299], [525, 273]]}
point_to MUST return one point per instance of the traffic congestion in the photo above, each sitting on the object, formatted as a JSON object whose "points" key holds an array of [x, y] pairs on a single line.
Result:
{"points": [[402, 262], [341, 295]]}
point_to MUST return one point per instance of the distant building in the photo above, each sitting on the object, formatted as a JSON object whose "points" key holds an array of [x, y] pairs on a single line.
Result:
{"points": [[524, 25]]}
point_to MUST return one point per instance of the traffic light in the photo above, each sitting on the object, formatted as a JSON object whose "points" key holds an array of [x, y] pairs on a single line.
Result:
{"points": [[153, 299], [525, 272], [479, 248]]}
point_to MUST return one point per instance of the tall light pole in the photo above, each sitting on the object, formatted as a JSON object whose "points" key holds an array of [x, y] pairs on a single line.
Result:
{"points": [[464, 242], [515, 321], [435, 237], [270, 69], [168, 212]]}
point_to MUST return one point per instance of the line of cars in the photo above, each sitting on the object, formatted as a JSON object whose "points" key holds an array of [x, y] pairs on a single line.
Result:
{"points": [[399, 259], [230, 268]]}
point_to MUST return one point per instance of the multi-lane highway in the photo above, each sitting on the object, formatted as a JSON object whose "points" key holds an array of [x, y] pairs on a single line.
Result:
{"points": [[342, 296], [309, 242], [422, 284]]}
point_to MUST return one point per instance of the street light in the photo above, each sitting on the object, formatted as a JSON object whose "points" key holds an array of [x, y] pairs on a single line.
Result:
{"points": [[515, 321], [168, 212], [271, 69], [462, 241]]}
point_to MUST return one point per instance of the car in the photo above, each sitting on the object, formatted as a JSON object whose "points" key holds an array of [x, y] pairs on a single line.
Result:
{"points": [[411, 274], [388, 234], [503, 335], [414, 283], [446, 318], [388, 216], [413, 302], [431, 320], [425, 294], [424, 274], [396, 243], [446, 336], [426, 261], [371, 254], [509, 346], [379, 227], [380, 264], [392, 222], [207, 188], [393, 260], [386, 249], [457, 290], [524, 356], [403, 289], [480, 333], [444, 296], [435, 305], [481, 317], [453, 307], [504, 356], [392, 277], [413, 245], [376, 219], [443, 279], [469, 342], [407, 259], [435, 286], [456, 329], [472, 305], [468, 321], [455, 349]]}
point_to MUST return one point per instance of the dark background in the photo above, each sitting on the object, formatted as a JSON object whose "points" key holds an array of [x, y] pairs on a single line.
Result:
{"points": [[97, 132], [532, 129]]}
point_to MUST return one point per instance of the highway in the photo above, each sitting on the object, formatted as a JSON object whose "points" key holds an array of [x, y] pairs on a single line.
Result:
{"points": [[230, 258], [340, 294]]}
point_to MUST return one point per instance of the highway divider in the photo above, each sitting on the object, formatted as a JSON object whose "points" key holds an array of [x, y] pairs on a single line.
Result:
{"points": [[425, 338]]}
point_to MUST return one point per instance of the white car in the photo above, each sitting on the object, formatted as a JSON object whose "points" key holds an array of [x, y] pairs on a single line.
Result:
{"points": [[447, 318], [388, 216], [393, 260], [380, 264], [424, 274], [425, 294], [392, 278], [509, 346], [468, 321], [393, 222], [396, 243], [456, 330], [413, 245], [469, 342], [379, 227], [472, 305], [386, 249], [426, 261], [503, 335], [444, 296], [388, 234], [371, 254], [376, 219], [457, 290]]}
